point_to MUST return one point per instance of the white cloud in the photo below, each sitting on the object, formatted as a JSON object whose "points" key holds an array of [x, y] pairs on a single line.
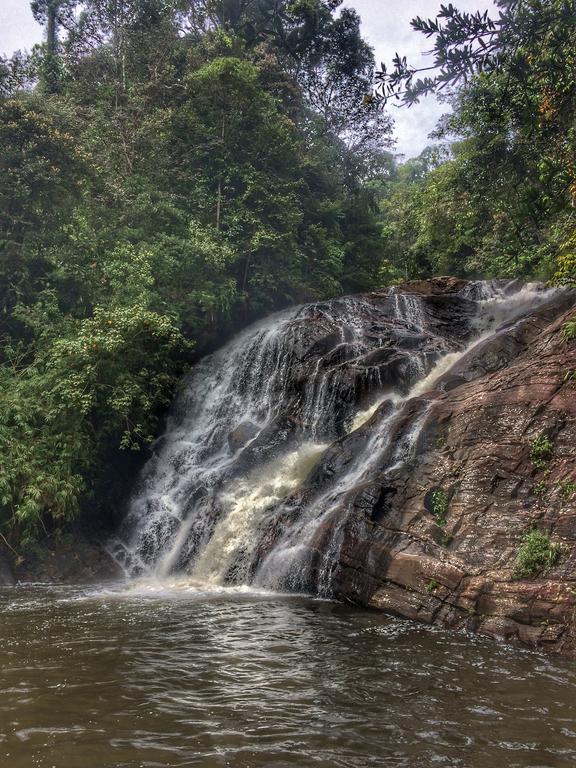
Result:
{"points": [[386, 26]]}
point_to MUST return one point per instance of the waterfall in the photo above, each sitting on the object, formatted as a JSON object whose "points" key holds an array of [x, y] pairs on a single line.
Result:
{"points": [[240, 488]]}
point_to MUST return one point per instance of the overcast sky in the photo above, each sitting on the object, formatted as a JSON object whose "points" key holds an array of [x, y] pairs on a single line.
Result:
{"points": [[386, 26]]}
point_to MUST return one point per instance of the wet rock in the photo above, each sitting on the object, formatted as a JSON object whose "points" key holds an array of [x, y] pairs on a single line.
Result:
{"points": [[242, 434], [72, 558], [268, 442], [451, 316], [399, 554], [420, 510], [435, 286], [488, 356]]}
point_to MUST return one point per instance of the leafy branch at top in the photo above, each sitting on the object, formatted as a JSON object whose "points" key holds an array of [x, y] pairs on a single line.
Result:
{"points": [[465, 44]]}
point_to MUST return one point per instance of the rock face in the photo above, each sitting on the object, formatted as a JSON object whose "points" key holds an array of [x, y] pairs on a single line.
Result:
{"points": [[297, 377], [437, 539], [393, 449], [72, 558]]}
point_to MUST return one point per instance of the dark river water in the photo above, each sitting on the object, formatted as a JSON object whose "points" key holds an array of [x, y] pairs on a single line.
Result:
{"points": [[174, 677]]}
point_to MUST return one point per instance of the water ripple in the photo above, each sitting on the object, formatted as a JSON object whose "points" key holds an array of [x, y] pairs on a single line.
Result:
{"points": [[137, 678]]}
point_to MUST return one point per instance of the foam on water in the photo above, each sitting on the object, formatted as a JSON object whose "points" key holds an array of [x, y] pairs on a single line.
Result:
{"points": [[175, 587]]}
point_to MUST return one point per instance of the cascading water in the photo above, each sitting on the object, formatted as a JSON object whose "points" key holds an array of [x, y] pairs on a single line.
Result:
{"points": [[239, 489]]}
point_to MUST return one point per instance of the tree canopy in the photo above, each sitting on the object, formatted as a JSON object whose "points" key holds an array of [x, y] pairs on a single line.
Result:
{"points": [[502, 203], [172, 169], [169, 170]]}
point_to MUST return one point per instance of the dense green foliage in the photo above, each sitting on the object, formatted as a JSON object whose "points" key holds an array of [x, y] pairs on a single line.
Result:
{"points": [[440, 504], [569, 330], [172, 169], [501, 201], [541, 450], [535, 555], [168, 170]]}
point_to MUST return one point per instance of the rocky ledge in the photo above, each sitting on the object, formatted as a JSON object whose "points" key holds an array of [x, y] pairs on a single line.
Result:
{"points": [[75, 555], [478, 530]]}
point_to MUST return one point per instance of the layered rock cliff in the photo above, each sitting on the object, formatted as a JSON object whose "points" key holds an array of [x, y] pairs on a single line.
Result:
{"points": [[438, 538]]}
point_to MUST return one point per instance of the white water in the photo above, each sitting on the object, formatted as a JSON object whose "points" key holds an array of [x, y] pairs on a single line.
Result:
{"points": [[424, 385], [256, 417], [236, 533]]}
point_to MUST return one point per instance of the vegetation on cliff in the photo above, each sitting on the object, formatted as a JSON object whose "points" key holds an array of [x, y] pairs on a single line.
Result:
{"points": [[170, 169]]}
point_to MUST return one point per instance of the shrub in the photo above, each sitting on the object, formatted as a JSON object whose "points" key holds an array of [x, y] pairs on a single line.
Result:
{"points": [[535, 555], [540, 488], [101, 384], [567, 488], [566, 264], [440, 503], [569, 330], [541, 450]]}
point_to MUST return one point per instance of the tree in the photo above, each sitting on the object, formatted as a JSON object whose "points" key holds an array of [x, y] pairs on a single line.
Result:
{"points": [[467, 44], [165, 176], [512, 86], [53, 14], [335, 69], [41, 172]]}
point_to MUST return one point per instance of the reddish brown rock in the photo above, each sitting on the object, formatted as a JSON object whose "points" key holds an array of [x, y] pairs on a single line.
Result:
{"points": [[476, 447], [434, 286]]}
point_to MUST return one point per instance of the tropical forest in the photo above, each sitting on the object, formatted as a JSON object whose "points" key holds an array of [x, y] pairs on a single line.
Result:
{"points": [[287, 417]]}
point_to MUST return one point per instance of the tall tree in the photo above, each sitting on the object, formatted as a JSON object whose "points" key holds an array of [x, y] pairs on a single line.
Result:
{"points": [[53, 15]]}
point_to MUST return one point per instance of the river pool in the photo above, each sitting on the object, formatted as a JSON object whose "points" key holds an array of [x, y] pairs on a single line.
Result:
{"points": [[169, 675]]}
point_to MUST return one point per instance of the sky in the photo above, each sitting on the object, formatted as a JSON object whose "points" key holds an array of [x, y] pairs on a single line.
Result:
{"points": [[385, 24]]}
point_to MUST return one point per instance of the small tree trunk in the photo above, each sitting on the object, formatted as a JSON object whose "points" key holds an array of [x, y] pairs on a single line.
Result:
{"points": [[51, 28], [245, 276], [219, 193], [50, 74], [219, 205]]}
